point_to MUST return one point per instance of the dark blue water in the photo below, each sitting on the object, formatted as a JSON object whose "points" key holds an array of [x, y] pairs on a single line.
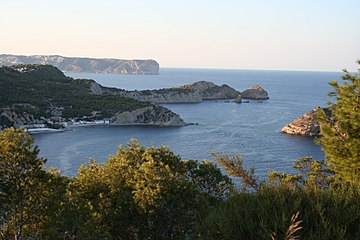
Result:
{"points": [[250, 129]]}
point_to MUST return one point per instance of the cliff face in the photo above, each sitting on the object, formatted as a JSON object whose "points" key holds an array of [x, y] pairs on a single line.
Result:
{"points": [[255, 92], [192, 93], [166, 97], [152, 115], [306, 125], [9, 118], [90, 65]]}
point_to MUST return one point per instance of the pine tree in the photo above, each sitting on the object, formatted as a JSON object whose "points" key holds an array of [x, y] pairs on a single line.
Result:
{"points": [[341, 133], [20, 169]]}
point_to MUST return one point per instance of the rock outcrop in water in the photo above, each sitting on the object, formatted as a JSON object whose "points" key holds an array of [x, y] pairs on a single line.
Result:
{"points": [[90, 65], [306, 125], [192, 93], [152, 115], [255, 92], [238, 99]]}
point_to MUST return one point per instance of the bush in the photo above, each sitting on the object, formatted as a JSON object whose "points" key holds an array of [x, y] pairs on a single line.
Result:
{"points": [[325, 214]]}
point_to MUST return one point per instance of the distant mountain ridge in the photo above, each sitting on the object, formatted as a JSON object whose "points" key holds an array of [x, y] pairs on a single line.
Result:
{"points": [[90, 65]]}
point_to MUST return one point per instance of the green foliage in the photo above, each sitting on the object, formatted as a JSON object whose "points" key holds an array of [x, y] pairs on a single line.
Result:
{"points": [[40, 88], [234, 167], [325, 214], [143, 193], [5, 122], [341, 134], [27, 191], [312, 175], [19, 170], [47, 207], [150, 193], [99, 205]]}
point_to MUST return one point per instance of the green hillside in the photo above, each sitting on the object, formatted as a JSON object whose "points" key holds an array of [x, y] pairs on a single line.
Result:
{"points": [[42, 89]]}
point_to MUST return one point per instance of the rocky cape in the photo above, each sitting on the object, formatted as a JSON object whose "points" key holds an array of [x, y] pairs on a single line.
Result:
{"points": [[191, 93], [306, 125], [90, 65]]}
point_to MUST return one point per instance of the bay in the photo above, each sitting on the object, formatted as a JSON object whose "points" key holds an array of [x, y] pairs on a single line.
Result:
{"points": [[250, 129]]}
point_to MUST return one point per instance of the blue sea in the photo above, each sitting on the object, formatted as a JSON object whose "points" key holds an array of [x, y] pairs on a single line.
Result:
{"points": [[251, 130]]}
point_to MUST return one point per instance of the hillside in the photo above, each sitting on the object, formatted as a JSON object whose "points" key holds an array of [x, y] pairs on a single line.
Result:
{"points": [[33, 94], [43, 90], [90, 65], [191, 93]]}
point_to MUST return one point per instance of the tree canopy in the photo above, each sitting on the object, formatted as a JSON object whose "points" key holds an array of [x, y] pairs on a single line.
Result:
{"points": [[140, 193], [341, 133]]}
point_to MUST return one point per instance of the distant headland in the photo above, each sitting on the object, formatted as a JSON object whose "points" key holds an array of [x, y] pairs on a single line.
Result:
{"points": [[90, 65]]}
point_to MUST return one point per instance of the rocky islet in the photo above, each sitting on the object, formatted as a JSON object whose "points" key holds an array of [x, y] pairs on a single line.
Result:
{"points": [[256, 92], [307, 124]]}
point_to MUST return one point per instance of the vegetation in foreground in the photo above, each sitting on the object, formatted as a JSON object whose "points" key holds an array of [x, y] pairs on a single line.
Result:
{"points": [[150, 193]]}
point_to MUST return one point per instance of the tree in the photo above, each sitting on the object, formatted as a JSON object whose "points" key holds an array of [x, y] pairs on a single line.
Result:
{"points": [[144, 193], [312, 174], [20, 169], [341, 133], [234, 167], [100, 205]]}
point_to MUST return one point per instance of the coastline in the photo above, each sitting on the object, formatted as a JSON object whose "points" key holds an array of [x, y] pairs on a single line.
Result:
{"points": [[34, 131], [64, 129]]}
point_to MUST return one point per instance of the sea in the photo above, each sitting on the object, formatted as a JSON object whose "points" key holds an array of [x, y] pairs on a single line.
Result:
{"points": [[251, 130]]}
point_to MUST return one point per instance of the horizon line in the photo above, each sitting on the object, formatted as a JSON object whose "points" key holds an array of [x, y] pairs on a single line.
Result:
{"points": [[257, 69], [179, 67]]}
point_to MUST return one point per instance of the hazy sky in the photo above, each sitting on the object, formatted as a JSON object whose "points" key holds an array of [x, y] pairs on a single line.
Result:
{"points": [[246, 34]]}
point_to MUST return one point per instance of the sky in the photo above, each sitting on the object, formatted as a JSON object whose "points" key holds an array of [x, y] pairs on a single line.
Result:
{"points": [[321, 35]]}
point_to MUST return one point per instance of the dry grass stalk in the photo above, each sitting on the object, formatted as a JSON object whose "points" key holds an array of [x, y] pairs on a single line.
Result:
{"points": [[292, 229]]}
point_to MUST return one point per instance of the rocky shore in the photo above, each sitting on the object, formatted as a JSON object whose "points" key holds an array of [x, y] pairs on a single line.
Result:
{"points": [[306, 125], [153, 115]]}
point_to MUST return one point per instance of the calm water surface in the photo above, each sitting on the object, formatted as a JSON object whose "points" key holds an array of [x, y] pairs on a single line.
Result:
{"points": [[250, 129]]}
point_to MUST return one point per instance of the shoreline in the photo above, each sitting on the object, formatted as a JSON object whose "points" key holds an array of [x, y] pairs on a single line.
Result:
{"points": [[34, 131], [67, 128]]}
